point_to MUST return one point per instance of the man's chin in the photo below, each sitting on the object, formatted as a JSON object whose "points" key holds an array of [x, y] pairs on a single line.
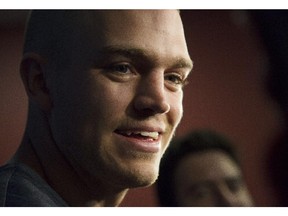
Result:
{"points": [[143, 182], [141, 178]]}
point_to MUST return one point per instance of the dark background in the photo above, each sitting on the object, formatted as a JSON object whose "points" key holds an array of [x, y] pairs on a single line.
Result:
{"points": [[226, 93]]}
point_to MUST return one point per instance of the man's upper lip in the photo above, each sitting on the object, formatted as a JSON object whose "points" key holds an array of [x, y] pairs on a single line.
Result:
{"points": [[160, 130]]}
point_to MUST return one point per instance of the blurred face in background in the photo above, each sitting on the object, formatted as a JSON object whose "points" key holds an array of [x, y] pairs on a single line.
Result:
{"points": [[210, 179]]}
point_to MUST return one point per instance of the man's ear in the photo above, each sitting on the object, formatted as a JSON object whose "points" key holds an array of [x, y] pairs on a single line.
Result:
{"points": [[32, 74]]}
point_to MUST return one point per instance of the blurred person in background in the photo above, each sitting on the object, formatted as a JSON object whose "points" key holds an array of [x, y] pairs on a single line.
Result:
{"points": [[202, 169]]}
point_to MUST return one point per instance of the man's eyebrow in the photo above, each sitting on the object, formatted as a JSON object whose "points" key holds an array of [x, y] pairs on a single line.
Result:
{"points": [[183, 63], [137, 53], [124, 51]]}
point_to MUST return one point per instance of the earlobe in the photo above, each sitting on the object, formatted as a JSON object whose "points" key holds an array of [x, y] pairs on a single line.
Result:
{"points": [[32, 74]]}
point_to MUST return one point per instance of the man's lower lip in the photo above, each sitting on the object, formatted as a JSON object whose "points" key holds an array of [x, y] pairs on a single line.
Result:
{"points": [[142, 145]]}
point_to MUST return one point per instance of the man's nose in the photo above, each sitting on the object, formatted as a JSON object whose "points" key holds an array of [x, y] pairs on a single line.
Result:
{"points": [[151, 95]]}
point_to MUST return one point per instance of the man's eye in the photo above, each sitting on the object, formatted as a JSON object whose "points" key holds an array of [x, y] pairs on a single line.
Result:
{"points": [[119, 72], [175, 79], [200, 192], [122, 68]]}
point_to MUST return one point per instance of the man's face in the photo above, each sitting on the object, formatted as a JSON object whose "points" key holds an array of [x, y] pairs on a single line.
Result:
{"points": [[210, 179], [117, 105]]}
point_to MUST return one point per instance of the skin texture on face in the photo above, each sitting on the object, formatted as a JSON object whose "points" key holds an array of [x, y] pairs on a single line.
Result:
{"points": [[117, 104], [210, 179]]}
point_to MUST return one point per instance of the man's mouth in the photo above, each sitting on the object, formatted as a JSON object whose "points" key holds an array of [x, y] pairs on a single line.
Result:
{"points": [[140, 134]]}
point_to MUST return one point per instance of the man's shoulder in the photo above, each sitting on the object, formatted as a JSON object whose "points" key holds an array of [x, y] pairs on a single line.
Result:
{"points": [[21, 186], [10, 172]]}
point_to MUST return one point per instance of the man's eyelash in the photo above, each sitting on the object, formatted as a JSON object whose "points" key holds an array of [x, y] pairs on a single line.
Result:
{"points": [[178, 79], [121, 67]]}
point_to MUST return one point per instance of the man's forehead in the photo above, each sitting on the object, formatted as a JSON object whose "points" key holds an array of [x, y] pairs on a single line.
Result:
{"points": [[112, 30], [104, 17], [128, 13]]}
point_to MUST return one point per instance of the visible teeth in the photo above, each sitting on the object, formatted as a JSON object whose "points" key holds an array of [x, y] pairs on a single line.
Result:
{"points": [[153, 135], [129, 133]]}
